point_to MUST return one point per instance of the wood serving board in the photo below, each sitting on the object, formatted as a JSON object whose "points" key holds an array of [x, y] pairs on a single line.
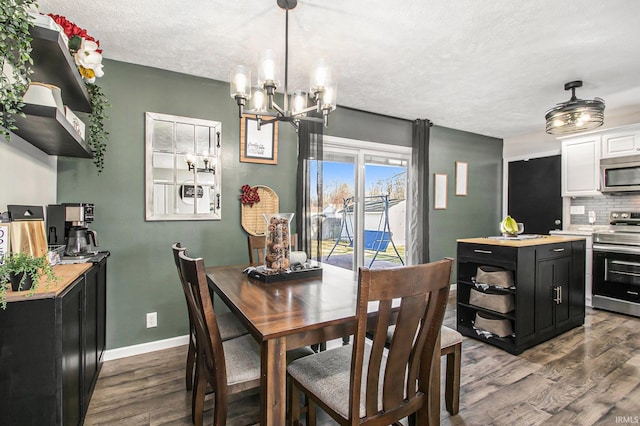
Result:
{"points": [[29, 236]]}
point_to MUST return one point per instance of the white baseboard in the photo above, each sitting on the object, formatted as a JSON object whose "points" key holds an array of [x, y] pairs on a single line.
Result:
{"points": [[144, 348]]}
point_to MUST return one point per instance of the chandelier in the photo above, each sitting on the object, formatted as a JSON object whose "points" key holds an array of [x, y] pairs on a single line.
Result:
{"points": [[322, 89], [575, 115]]}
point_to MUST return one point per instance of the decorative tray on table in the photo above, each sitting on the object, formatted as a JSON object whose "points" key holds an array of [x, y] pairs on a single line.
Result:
{"points": [[263, 274]]}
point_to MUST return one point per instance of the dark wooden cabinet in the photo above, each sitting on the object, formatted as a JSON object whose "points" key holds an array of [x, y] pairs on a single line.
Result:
{"points": [[548, 289], [552, 289], [51, 352], [71, 312]]}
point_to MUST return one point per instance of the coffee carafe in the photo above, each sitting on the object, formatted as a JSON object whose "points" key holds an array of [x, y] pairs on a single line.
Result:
{"points": [[80, 242]]}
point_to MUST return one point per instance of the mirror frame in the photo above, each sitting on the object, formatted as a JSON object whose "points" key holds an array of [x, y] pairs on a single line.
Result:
{"points": [[204, 165]]}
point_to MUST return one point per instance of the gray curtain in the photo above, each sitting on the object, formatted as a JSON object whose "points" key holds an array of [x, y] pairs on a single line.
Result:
{"points": [[309, 188], [418, 232]]}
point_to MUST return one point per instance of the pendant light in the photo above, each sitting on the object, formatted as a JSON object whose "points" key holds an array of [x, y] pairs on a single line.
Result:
{"points": [[322, 88], [575, 115]]}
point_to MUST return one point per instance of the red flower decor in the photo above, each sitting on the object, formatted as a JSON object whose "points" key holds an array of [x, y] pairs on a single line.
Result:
{"points": [[249, 195], [71, 30]]}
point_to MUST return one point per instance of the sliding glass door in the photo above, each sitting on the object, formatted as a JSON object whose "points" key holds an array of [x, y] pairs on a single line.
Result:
{"points": [[364, 207]]}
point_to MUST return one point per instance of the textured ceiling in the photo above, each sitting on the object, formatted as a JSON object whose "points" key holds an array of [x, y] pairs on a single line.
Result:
{"points": [[491, 67]]}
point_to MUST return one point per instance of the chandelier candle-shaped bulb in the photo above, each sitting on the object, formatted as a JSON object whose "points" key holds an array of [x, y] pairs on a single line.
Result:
{"points": [[320, 75], [258, 102], [328, 100], [240, 85], [267, 70], [299, 101]]}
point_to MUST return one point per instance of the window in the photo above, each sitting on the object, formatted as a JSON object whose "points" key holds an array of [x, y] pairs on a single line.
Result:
{"points": [[364, 207]]}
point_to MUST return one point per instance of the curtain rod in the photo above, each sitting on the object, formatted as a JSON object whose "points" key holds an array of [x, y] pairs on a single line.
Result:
{"points": [[381, 115]]}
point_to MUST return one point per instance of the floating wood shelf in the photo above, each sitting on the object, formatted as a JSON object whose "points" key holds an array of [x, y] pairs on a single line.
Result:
{"points": [[53, 64], [48, 129]]}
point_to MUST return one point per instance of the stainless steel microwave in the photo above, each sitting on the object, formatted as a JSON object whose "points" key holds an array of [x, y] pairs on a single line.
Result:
{"points": [[620, 174]]}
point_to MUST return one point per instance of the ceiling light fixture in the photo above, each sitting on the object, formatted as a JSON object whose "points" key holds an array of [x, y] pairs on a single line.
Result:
{"points": [[322, 88], [575, 115]]}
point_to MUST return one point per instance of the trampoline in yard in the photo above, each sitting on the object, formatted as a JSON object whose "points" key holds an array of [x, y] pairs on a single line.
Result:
{"points": [[376, 240]]}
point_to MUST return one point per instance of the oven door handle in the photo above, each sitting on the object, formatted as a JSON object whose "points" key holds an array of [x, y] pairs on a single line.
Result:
{"points": [[614, 248], [631, 274], [624, 262]]}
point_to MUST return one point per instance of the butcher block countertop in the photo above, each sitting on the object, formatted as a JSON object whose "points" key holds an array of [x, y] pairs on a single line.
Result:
{"points": [[512, 242], [67, 274]]}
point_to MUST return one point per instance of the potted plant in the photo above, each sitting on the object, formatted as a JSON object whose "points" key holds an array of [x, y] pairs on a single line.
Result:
{"points": [[23, 271]]}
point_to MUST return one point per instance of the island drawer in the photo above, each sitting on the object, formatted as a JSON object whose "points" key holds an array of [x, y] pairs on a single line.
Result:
{"points": [[485, 253], [552, 251]]}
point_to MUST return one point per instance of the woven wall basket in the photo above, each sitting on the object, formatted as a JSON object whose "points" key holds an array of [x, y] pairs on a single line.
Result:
{"points": [[252, 220]]}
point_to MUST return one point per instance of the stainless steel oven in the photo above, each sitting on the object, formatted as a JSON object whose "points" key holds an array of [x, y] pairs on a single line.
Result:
{"points": [[616, 265]]}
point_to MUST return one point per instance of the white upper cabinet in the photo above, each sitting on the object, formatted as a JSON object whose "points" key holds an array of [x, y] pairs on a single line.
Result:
{"points": [[621, 142], [580, 166]]}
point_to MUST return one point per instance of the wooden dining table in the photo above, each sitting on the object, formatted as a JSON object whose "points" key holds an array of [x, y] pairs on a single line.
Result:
{"points": [[291, 314]]}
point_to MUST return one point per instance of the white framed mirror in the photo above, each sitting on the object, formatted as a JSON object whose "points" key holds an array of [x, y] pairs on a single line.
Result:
{"points": [[182, 168]]}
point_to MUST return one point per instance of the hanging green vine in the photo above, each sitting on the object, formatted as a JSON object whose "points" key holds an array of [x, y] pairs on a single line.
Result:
{"points": [[87, 55], [98, 136], [15, 51]]}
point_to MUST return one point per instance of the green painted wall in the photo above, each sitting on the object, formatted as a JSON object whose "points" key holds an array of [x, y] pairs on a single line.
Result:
{"points": [[360, 125], [141, 273], [478, 213]]}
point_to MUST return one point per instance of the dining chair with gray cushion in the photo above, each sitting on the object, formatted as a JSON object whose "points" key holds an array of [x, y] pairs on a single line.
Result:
{"points": [[451, 347], [365, 383], [229, 325], [227, 367]]}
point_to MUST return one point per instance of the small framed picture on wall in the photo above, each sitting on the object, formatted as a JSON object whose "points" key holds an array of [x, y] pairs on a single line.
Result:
{"points": [[440, 191], [461, 178], [258, 145]]}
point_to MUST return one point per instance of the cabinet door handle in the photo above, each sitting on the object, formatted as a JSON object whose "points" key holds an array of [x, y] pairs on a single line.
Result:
{"points": [[558, 249], [558, 295], [483, 251], [633, 293]]}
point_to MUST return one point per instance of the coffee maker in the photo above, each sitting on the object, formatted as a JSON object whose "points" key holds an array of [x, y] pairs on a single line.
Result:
{"points": [[67, 224]]}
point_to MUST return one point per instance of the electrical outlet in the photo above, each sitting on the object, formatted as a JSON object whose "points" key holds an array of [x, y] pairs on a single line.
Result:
{"points": [[152, 319]]}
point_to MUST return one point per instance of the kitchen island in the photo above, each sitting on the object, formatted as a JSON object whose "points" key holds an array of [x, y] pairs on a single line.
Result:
{"points": [[516, 293], [51, 346]]}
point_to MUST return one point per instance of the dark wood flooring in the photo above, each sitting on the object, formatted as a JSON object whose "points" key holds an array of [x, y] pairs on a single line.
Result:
{"points": [[587, 376]]}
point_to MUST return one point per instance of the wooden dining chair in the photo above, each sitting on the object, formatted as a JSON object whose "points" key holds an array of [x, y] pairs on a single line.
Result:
{"points": [[363, 383], [230, 326], [229, 366], [451, 347], [257, 243]]}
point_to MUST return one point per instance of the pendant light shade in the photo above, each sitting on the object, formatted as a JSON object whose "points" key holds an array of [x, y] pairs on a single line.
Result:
{"points": [[575, 115]]}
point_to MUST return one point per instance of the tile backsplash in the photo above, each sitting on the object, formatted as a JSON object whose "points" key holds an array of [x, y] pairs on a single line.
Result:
{"points": [[603, 205]]}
